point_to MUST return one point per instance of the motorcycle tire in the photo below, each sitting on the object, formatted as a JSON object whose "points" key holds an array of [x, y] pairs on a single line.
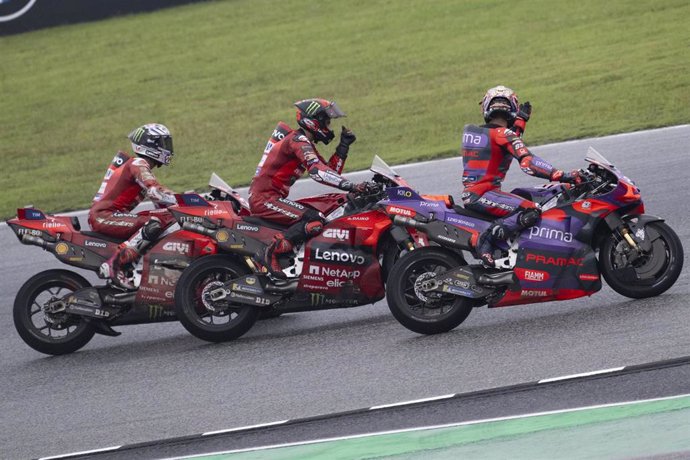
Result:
{"points": [[197, 315], [425, 315], [656, 271], [55, 334]]}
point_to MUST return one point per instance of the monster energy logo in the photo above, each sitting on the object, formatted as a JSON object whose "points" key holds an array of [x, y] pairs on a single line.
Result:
{"points": [[156, 311], [136, 135], [312, 108], [317, 299]]}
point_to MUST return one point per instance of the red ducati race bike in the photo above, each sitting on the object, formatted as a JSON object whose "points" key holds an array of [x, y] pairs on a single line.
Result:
{"points": [[596, 228], [219, 297], [58, 311]]}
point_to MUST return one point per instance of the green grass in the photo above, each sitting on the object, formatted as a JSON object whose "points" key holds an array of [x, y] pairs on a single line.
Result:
{"points": [[409, 73]]}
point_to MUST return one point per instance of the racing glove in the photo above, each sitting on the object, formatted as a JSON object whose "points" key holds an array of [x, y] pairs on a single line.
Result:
{"points": [[524, 111], [347, 137], [348, 186], [572, 177]]}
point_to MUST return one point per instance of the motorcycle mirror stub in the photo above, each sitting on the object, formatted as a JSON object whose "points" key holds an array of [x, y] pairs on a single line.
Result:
{"points": [[30, 214]]}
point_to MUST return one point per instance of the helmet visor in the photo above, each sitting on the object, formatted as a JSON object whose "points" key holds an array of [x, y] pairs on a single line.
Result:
{"points": [[166, 143], [333, 111]]}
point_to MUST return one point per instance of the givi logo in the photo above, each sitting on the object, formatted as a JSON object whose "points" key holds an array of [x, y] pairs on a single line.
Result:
{"points": [[337, 233]]}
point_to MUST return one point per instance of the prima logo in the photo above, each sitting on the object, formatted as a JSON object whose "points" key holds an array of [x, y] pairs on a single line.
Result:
{"points": [[339, 257], [337, 234], [474, 140], [95, 244], [430, 204], [173, 246], [550, 234]]}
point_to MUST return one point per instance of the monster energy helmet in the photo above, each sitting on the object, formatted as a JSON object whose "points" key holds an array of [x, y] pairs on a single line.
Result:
{"points": [[154, 141], [499, 99], [315, 115]]}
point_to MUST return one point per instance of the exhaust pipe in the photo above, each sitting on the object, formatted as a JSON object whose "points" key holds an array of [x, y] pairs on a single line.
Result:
{"points": [[196, 228], [37, 241], [408, 222]]}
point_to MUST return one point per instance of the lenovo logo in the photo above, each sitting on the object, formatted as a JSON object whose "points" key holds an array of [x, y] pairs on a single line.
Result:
{"points": [[338, 256]]}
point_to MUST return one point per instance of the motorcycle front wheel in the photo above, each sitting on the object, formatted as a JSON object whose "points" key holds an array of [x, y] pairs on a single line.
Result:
{"points": [[421, 312], [213, 321], [52, 333], [649, 275]]}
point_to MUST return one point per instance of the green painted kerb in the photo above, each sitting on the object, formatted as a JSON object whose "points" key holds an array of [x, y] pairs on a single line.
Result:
{"points": [[628, 430]]}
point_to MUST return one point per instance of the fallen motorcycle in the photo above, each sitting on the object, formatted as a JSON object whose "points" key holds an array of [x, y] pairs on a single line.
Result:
{"points": [[596, 228], [219, 297], [58, 311]]}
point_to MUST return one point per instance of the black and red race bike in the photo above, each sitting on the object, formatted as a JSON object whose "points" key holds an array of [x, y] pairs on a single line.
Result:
{"points": [[219, 297], [58, 311]]}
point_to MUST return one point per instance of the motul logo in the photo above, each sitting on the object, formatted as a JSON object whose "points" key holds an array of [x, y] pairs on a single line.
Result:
{"points": [[557, 261], [172, 246], [533, 293], [337, 233], [400, 211]]}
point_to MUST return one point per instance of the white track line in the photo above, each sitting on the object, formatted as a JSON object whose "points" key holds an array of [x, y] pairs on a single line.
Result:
{"points": [[241, 428], [584, 374], [85, 452], [404, 403], [410, 430]]}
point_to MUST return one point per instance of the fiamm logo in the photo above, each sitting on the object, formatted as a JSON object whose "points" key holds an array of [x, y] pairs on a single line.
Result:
{"points": [[12, 9]]}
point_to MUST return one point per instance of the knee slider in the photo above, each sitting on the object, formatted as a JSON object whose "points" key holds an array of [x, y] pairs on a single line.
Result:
{"points": [[152, 229], [529, 217]]}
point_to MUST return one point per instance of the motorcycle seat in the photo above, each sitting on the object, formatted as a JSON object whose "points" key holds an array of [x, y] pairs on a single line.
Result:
{"points": [[264, 222], [474, 214], [101, 236]]}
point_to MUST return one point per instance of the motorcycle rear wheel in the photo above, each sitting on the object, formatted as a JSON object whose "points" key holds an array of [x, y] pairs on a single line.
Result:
{"points": [[425, 315], [212, 321], [52, 334], [656, 271]]}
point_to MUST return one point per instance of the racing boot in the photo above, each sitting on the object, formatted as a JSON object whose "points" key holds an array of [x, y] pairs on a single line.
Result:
{"points": [[116, 267], [280, 245], [485, 243]]}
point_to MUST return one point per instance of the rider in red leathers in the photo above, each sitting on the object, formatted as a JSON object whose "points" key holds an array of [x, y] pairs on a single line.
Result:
{"points": [[288, 154], [126, 183], [488, 151]]}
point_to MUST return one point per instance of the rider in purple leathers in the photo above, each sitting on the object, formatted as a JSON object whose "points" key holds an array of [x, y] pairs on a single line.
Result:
{"points": [[487, 152]]}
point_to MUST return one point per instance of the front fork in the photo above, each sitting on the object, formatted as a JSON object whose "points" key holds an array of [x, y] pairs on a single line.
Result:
{"points": [[631, 229]]}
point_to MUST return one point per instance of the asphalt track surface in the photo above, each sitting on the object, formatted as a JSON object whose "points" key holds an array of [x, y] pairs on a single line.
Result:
{"points": [[156, 381]]}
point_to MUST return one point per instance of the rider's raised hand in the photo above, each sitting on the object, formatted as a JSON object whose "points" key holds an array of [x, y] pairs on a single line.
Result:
{"points": [[347, 138], [524, 111]]}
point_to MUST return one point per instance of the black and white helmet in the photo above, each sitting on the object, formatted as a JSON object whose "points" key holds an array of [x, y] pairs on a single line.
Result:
{"points": [[154, 141]]}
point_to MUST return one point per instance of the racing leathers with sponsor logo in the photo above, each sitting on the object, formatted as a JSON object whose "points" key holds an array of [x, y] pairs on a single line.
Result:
{"points": [[488, 151], [288, 154], [129, 180]]}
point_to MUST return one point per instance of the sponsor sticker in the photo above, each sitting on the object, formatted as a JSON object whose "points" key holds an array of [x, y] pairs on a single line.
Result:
{"points": [[61, 248]]}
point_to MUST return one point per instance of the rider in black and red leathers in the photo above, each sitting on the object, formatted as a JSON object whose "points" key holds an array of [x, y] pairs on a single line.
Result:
{"points": [[488, 151], [288, 154], [127, 182]]}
